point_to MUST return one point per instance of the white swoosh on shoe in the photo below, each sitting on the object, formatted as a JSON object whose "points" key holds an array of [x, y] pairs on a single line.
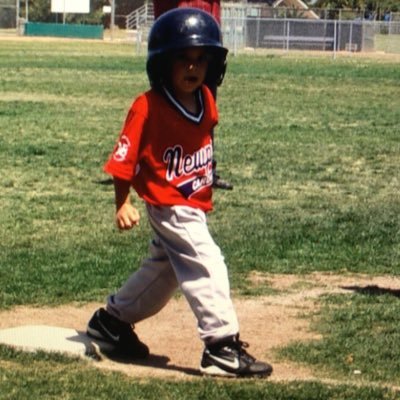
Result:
{"points": [[113, 337], [230, 364]]}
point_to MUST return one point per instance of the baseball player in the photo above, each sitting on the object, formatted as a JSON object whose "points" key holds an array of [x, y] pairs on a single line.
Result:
{"points": [[164, 152], [213, 7]]}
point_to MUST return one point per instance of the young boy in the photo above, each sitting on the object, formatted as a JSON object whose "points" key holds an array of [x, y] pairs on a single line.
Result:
{"points": [[165, 153]]}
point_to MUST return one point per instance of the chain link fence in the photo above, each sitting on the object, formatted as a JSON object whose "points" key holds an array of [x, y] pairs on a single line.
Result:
{"points": [[255, 27], [311, 34], [8, 14], [272, 29]]}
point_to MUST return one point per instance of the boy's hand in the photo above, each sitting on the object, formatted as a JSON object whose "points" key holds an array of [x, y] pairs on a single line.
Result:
{"points": [[127, 217]]}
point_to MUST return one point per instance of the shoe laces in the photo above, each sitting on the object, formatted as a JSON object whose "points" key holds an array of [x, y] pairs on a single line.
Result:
{"points": [[123, 328], [236, 345], [240, 347]]}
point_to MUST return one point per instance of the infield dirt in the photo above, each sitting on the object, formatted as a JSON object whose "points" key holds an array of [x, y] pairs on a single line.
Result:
{"points": [[267, 323]]}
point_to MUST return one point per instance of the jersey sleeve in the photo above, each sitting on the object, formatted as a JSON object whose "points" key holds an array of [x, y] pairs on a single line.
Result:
{"points": [[123, 160]]}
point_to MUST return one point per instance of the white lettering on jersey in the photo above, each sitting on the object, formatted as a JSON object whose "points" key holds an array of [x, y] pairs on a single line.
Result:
{"points": [[179, 164]]}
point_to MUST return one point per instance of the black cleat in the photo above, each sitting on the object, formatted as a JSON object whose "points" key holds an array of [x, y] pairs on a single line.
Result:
{"points": [[229, 358], [103, 326]]}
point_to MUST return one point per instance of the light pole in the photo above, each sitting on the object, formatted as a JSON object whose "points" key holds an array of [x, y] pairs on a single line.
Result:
{"points": [[17, 15], [112, 18]]}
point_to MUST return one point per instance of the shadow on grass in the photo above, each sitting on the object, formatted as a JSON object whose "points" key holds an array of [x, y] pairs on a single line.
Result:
{"points": [[153, 361], [373, 290], [105, 182]]}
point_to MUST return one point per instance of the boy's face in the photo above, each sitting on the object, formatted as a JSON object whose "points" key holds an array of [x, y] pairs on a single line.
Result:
{"points": [[189, 68]]}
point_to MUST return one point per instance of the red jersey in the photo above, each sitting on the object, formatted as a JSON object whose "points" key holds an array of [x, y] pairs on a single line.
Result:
{"points": [[211, 6], [166, 152]]}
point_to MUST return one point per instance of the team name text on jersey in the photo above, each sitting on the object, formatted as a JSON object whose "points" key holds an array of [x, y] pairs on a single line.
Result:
{"points": [[179, 164]]}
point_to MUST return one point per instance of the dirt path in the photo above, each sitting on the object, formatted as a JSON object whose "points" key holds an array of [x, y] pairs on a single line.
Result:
{"points": [[266, 323]]}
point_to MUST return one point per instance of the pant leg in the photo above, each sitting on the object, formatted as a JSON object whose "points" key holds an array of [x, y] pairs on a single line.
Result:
{"points": [[147, 290], [199, 268]]}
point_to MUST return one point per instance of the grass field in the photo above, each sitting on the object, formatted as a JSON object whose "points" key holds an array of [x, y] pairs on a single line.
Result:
{"points": [[387, 43], [312, 146]]}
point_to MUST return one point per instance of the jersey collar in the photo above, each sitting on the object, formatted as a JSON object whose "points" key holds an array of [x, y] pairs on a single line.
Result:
{"points": [[187, 114]]}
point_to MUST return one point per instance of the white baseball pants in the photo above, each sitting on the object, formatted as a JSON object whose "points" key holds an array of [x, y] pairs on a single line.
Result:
{"points": [[182, 254]]}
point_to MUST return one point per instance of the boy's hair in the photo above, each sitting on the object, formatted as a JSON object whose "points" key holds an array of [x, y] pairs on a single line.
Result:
{"points": [[178, 29]]}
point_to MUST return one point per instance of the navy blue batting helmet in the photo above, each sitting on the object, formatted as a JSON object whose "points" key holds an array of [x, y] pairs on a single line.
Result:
{"points": [[181, 28]]}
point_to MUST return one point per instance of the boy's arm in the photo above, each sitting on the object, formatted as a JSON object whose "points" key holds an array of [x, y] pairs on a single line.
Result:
{"points": [[127, 216]]}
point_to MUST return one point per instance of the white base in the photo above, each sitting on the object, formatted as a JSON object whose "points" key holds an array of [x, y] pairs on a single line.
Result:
{"points": [[52, 339]]}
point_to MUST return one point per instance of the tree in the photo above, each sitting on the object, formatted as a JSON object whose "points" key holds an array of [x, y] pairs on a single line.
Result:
{"points": [[375, 7], [340, 4], [40, 10], [124, 7]]}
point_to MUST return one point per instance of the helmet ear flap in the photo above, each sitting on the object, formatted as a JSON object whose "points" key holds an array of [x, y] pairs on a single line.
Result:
{"points": [[153, 72], [215, 72], [158, 68]]}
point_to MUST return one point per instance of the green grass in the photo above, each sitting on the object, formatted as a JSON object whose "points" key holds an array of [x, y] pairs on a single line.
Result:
{"points": [[44, 377], [314, 151], [311, 145], [360, 332], [387, 43]]}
